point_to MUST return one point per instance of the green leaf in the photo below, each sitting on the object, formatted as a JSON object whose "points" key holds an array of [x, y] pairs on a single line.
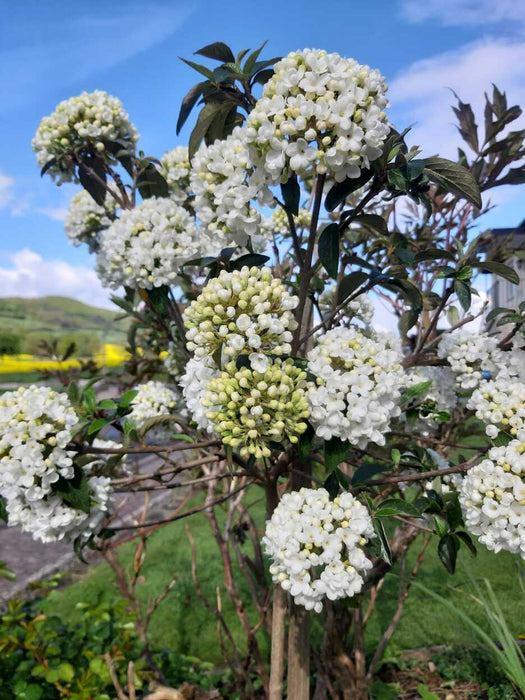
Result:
{"points": [[416, 390], [397, 179], [204, 120], [334, 452], [188, 103], [340, 191], [159, 298], [151, 183], [127, 398], [396, 506], [218, 51], [499, 269], [89, 400], [305, 443], [250, 259], [203, 70], [465, 273], [328, 249], [92, 176], [3, 509], [453, 178], [75, 492], [107, 405], [291, 193], [407, 320], [251, 61], [502, 439], [467, 539], [367, 471], [349, 284], [66, 672], [373, 221], [448, 552], [73, 393], [385, 552], [434, 254], [97, 425], [463, 293], [331, 484]]}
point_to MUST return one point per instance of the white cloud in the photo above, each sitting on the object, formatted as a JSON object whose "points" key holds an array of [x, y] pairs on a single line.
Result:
{"points": [[54, 213], [6, 190], [29, 275], [464, 12]]}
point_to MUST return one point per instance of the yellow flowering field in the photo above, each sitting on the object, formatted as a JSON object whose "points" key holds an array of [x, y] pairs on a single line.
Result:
{"points": [[110, 355]]}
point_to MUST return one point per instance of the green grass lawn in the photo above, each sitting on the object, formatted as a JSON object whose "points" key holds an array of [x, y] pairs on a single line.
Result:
{"points": [[182, 623]]}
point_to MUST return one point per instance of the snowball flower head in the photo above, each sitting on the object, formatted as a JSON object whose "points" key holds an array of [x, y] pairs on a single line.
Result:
{"points": [[500, 404], [87, 123], [153, 399], [86, 219], [244, 310], [220, 181], [251, 407], [318, 110], [472, 356], [175, 167], [194, 383], [278, 224], [492, 497], [359, 382], [36, 425], [316, 546], [360, 309], [147, 245]]}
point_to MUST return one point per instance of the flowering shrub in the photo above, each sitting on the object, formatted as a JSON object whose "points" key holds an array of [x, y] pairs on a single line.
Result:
{"points": [[266, 324], [89, 120], [359, 381], [147, 245], [316, 545], [36, 427], [86, 219]]}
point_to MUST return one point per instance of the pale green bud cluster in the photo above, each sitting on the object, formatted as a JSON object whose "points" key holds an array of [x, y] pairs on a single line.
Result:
{"points": [[253, 408], [245, 310]]}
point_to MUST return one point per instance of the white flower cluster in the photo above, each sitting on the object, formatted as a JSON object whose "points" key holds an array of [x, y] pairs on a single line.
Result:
{"points": [[35, 428], [446, 483], [247, 309], [277, 224], [500, 404], [147, 245], [316, 546], [90, 120], [360, 309], [318, 109], [251, 407], [441, 395], [472, 356], [359, 382], [154, 399], [492, 496], [220, 181], [86, 219], [194, 383], [175, 167]]}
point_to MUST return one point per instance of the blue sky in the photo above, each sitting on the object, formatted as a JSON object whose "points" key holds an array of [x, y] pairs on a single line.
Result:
{"points": [[54, 50]]}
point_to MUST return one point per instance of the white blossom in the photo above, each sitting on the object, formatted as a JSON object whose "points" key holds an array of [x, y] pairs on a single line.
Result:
{"points": [[153, 399], [194, 384], [360, 309], [147, 245], [500, 404], [36, 425], [86, 219], [244, 310], [317, 109], [315, 544], [220, 181], [89, 121], [175, 167], [359, 381], [492, 496], [472, 356]]}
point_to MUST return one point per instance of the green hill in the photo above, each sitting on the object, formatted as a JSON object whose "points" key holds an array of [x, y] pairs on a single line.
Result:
{"points": [[45, 318]]}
